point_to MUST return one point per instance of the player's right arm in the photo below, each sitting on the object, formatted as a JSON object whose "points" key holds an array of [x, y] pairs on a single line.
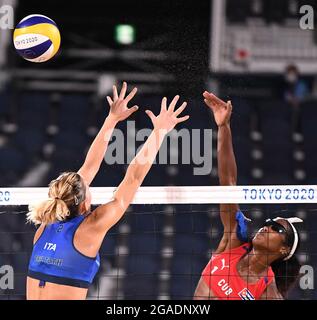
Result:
{"points": [[109, 214], [227, 169], [118, 111]]}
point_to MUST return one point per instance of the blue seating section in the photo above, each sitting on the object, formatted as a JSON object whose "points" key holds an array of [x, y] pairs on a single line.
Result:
{"points": [[74, 111], [33, 111], [308, 124], [4, 103], [72, 115]]}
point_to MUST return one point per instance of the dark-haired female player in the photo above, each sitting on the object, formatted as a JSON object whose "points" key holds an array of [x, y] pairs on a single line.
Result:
{"points": [[263, 268]]}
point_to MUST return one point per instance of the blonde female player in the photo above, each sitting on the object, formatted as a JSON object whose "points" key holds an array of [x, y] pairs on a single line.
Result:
{"points": [[65, 255], [263, 268]]}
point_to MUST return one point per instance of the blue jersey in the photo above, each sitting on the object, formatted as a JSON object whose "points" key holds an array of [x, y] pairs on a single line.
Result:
{"points": [[55, 258]]}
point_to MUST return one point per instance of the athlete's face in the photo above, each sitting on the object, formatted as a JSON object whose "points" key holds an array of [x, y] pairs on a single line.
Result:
{"points": [[273, 237]]}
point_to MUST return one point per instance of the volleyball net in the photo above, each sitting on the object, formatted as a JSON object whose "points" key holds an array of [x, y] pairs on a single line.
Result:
{"points": [[167, 236]]}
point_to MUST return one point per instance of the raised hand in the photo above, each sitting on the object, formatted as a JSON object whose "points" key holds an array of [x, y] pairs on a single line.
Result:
{"points": [[119, 110], [221, 110], [168, 117]]}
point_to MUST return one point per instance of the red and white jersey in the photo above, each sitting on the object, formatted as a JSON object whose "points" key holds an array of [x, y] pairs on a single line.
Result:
{"points": [[222, 277]]}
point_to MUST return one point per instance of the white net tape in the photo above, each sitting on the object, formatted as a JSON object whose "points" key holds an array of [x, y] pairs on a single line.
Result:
{"points": [[181, 195]]}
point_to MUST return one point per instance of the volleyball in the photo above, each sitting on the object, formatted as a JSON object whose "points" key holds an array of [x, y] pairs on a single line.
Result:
{"points": [[36, 38]]}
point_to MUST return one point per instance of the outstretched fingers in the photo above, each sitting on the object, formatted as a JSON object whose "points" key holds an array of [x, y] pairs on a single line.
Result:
{"points": [[151, 115], [180, 109], [229, 105], [131, 95], [209, 103], [173, 104], [115, 93], [110, 101], [123, 91], [182, 119], [164, 104], [213, 98], [131, 110]]}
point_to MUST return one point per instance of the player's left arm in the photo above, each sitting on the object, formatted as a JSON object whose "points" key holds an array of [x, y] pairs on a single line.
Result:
{"points": [[271, 293], [118, 111], [234, 222]]}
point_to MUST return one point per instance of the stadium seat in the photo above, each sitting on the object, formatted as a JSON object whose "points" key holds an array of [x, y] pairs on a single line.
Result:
{"points": [[195, 222], [108, 176], [274, 109], [4, 103], [20, 262], [144, 243], [13, 160], [109, 246], [276, 133], [242, 149], [29, 140], [148, 222], [191, 244], [237, 13], [141, 264], [308, 125], [34, 111], [182, 287], [74, 111], [185, 274], [140, 287], [65, 159], [182, 265], [72, 139], [6, 241]]}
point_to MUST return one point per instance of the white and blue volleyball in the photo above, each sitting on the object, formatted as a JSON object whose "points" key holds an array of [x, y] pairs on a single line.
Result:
{"points": [[37, 38]]}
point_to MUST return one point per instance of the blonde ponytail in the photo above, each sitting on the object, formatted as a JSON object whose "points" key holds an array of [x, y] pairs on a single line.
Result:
{"points": [[65, 195], [47, 212]]}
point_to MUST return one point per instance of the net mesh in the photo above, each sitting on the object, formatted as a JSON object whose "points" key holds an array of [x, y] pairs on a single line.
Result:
{"points": [[156, 251]]}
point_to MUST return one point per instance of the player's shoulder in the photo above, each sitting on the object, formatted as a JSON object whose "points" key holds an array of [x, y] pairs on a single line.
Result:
{"points": [[271, 292], [39, 232]]}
